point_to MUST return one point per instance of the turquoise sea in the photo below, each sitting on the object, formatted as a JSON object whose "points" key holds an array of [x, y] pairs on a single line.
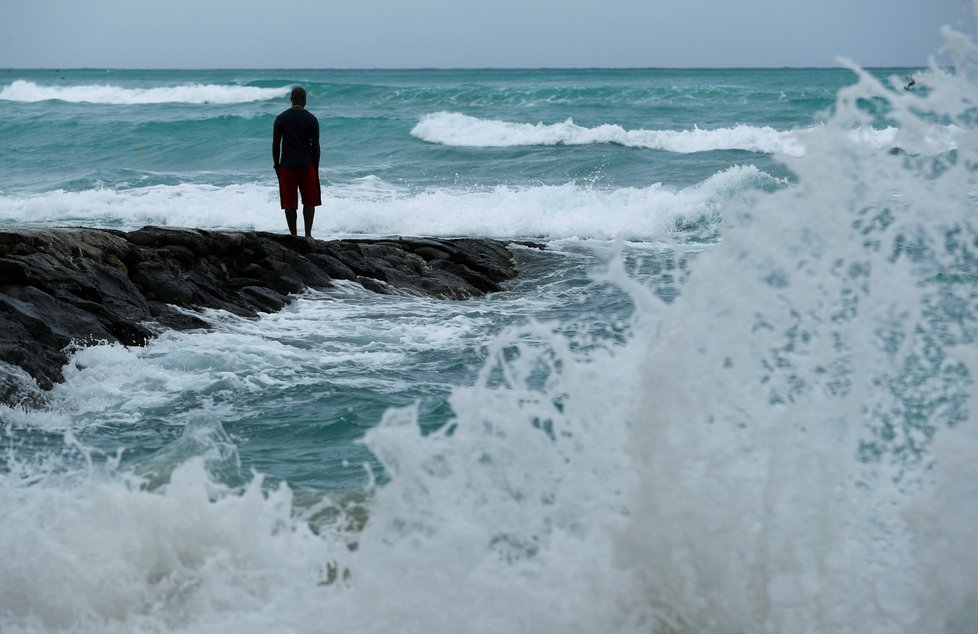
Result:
{"points": [[735, 393]]}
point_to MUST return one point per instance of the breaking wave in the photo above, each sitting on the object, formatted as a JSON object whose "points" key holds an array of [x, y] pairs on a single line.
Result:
{"points": [[28, 91]]}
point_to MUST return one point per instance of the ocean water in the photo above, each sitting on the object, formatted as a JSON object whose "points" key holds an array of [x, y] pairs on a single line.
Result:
{"points": [[735, 394]]}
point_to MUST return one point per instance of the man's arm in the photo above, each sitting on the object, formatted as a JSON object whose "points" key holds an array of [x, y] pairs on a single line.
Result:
{"points": [[276, 148], [315, 146]]}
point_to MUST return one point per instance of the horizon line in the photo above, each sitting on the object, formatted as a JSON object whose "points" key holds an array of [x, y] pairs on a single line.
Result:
{"points": [[443, 68]]}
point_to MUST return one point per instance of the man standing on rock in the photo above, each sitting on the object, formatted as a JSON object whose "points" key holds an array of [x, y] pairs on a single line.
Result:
{"points": [[295, 155]]}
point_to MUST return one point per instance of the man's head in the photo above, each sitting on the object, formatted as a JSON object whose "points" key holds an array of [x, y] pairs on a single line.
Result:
{"points": [[298, 96]]}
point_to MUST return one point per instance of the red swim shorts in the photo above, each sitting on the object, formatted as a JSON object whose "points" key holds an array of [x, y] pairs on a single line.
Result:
{"points": [[295, 180]]}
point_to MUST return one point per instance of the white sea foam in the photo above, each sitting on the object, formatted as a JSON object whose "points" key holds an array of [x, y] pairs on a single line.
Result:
{"points": [[452, 128], [29, 91], [370, 207], [245, 207], [113, 554], [345, 343]]}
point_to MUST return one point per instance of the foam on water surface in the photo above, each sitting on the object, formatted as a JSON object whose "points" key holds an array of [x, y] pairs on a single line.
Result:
{"points": [[370, 207], [30, 92]]}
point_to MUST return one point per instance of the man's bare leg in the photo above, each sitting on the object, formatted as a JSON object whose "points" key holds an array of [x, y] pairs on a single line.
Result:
{"points": [[308, 213], [291, 217]]}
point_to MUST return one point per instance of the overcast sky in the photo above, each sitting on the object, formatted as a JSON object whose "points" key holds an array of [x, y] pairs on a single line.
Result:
{"points": [[473, 33]]}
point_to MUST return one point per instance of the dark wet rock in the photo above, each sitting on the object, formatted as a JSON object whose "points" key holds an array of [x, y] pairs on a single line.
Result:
{"points": [[61, 288]]}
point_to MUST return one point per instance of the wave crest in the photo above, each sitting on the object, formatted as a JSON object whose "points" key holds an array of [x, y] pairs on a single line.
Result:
{"points": [[372, 206], [453, 128], [28, 91]]}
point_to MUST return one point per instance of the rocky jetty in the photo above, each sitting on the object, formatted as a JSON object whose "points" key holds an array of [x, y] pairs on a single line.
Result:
{"points": [[67, 287]]}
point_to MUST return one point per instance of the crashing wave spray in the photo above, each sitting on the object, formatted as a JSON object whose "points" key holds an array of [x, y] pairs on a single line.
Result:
{"points": [[799, 442]]}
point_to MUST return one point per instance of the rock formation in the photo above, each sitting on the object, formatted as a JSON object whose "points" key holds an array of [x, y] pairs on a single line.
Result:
{"points": [[76, 286]]}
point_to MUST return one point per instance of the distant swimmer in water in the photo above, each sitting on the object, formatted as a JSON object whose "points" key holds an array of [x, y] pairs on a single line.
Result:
{"points": [[911, 82]]}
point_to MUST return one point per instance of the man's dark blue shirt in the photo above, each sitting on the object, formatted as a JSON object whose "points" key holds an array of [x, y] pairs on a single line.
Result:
{"points": [[299, 130]]}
